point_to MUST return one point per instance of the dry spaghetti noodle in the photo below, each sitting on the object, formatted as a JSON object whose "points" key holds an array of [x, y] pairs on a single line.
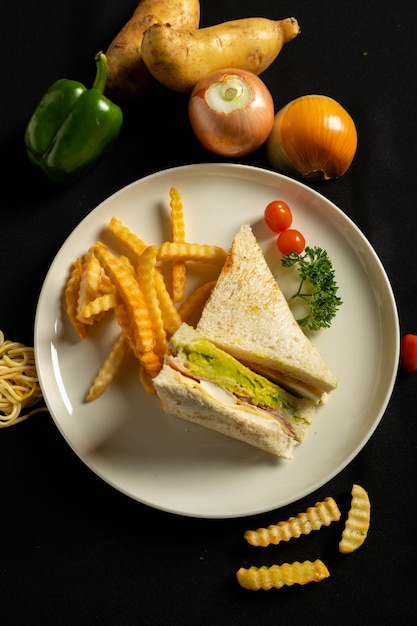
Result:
{"points": [[19, 384]]}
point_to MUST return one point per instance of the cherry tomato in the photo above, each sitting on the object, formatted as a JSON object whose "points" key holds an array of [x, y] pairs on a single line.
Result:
{"points": [[278, 216], [291, 240], [408, 353]]}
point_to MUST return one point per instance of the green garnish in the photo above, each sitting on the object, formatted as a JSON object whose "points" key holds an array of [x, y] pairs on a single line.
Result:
{"points": [[318, 287]]}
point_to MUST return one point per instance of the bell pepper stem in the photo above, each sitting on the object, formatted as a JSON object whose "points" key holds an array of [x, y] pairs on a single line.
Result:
{"points": [[101, 72]]}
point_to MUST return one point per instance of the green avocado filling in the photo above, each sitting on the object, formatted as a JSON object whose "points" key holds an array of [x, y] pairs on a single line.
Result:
{"points": [[205, 360]]}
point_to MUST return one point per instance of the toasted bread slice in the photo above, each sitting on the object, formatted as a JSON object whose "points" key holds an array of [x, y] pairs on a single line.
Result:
{"points": [[248, 316]]}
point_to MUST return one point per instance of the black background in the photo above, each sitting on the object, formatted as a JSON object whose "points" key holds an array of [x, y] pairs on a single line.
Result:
{"points": [[72, 549]]}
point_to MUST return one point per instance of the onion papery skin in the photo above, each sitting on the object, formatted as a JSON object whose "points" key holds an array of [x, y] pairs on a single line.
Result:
{"points": [[242, 125], [313, 138]]}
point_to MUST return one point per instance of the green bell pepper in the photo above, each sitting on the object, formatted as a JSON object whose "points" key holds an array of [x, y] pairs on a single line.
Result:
{"points": [[72, 127]]}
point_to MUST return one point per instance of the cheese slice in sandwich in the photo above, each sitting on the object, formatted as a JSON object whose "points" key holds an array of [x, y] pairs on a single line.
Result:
{"points": [[202, 384], [248, 316]]}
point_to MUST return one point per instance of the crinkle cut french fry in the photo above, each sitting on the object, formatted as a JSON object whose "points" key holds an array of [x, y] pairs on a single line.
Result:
{"points": [[101, 304], [190, 309], [124, 323], [89, 284], [194, 252], [321, 514], [122, 318], [142, 334], [146, 277], [109, 368], [129, 240], [170, 315], [177, 216], [179, 270], [106, 286], [277, 576], [71, 292], [179, 280], [127, 263], [357, 522], [146, 380]]}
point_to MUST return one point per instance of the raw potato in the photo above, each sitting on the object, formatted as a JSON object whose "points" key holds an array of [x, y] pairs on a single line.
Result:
{"points": [[128, 76], [179, 58]]}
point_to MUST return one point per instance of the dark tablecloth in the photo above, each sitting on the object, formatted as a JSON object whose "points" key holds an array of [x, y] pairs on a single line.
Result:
{"points": [[73, 550]]}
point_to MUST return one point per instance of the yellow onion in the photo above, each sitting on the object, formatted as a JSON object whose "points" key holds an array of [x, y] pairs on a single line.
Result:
{"points": [[313, 138], [231, 112]]}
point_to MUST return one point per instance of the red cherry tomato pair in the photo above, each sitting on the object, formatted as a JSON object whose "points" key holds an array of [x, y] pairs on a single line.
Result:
{"points": [[278, 217]]}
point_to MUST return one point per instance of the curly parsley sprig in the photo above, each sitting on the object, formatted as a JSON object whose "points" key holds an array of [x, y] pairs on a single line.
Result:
{"points": [[317, 288]]}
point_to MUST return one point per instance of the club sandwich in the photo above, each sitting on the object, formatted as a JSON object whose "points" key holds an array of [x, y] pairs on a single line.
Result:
{"points": [[203, 384], [248, 316]]}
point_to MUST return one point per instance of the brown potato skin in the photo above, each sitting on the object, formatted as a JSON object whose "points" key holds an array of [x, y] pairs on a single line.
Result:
{"points": [[179, 58], [128, 76]]}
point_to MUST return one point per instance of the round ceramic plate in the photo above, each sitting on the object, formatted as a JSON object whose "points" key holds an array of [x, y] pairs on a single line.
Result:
{"points": [[175, 466]]}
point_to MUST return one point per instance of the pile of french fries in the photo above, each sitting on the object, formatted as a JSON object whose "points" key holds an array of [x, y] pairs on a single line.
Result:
{"points": [[134, 288]]}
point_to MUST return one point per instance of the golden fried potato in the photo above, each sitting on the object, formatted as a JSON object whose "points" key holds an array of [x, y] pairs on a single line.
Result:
{"points": [[146, 380], [321, 514], [195, 252], [146, 277], [109, 368], [358, 521], [277, 576], [71, 291], [179, 270], [127, 238], [170, 314], [141, 329], [89, 284], [190, 308], [100, 304]]}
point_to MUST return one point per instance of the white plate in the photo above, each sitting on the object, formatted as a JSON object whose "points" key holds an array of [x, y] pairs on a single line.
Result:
{"points": [[175, 466]]}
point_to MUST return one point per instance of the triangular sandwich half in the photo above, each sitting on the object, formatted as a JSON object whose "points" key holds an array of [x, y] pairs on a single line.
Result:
{"points": [[202, 384], [248, 316]]}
